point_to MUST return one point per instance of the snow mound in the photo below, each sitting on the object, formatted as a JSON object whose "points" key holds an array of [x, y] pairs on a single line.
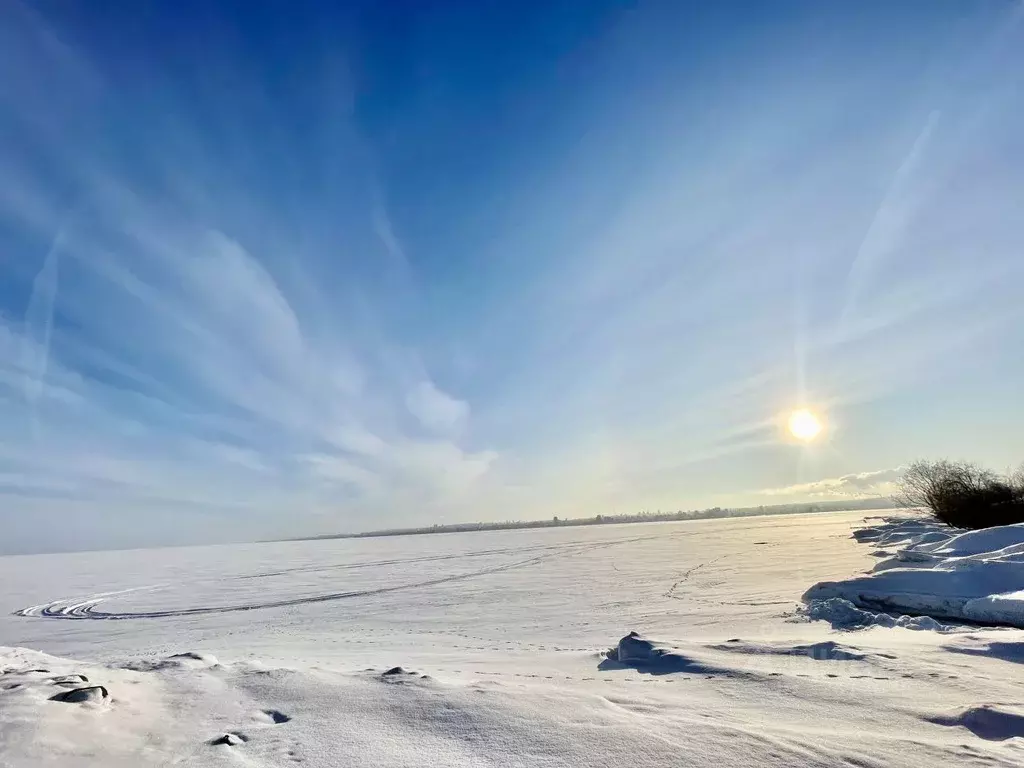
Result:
{"points": [[990, 722], [204, 659], [92, 695], [1001, 543], [230, 740], [976, 577], [844, 615], [187, 660], [894, 530], [634, 649], [652, 657]]}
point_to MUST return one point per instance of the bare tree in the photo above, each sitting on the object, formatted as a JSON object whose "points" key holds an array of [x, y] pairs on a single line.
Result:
{"points": [[1017, 477], [963, 495]]}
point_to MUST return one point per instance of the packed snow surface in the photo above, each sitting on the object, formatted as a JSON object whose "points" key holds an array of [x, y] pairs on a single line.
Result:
{"points": [[977, 576], [679, 644]]}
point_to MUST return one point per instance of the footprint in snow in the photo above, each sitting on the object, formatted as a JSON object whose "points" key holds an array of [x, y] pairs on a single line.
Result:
{"points": [[232, 739], [91, 694], [71, 680], [274, 716], [396, 672]]}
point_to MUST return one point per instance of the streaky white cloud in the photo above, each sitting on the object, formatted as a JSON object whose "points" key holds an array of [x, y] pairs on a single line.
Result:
{"points": [[894, 213], [186, 372], [39, 320]]}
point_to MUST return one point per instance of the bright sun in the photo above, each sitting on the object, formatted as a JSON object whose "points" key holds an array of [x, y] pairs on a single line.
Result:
{"points": [[804, 425]]}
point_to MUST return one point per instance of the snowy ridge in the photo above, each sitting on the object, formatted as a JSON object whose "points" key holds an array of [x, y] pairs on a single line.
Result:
{"points": [[977, 576]]}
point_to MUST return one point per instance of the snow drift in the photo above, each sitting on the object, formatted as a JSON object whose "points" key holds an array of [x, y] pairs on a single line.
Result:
{"points": [[976, 576]]}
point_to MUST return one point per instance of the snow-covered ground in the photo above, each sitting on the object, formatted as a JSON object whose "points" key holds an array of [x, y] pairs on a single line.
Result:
{"points": [[492, 649]]}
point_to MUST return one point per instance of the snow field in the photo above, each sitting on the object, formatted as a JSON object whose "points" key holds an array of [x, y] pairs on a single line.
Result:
{"points": [[505, 649]]}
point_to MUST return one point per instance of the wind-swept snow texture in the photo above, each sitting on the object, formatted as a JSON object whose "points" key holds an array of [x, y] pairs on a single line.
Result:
{"points": [[933, 571], [513, 648]]}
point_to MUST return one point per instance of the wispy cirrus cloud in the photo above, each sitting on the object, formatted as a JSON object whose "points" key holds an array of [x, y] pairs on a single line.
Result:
{"points": [[209, 392], [184, 357], [313, 297]]}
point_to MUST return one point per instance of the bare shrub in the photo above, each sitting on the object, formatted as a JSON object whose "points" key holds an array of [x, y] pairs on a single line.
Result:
{"points": [[963, 495]]}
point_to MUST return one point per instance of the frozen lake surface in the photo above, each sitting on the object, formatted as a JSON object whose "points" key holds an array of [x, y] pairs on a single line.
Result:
{"points": [[502, 640]]}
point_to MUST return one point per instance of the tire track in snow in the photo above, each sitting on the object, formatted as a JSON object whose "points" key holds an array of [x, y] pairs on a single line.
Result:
{"points": [[80, 609], [86, 608]]}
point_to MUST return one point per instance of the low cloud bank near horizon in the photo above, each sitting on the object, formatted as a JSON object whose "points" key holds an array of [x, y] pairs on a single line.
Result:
{"points": [[880, 482]]}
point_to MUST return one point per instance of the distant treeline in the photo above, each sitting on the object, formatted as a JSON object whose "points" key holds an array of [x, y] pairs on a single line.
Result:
{"points": [[640, 517]]}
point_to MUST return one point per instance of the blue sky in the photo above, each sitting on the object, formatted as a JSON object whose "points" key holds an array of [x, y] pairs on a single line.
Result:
{"points": [[272, 269]]}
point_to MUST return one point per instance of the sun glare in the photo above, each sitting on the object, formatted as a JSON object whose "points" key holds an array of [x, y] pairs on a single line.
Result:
{"points": [[804, 425]]}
